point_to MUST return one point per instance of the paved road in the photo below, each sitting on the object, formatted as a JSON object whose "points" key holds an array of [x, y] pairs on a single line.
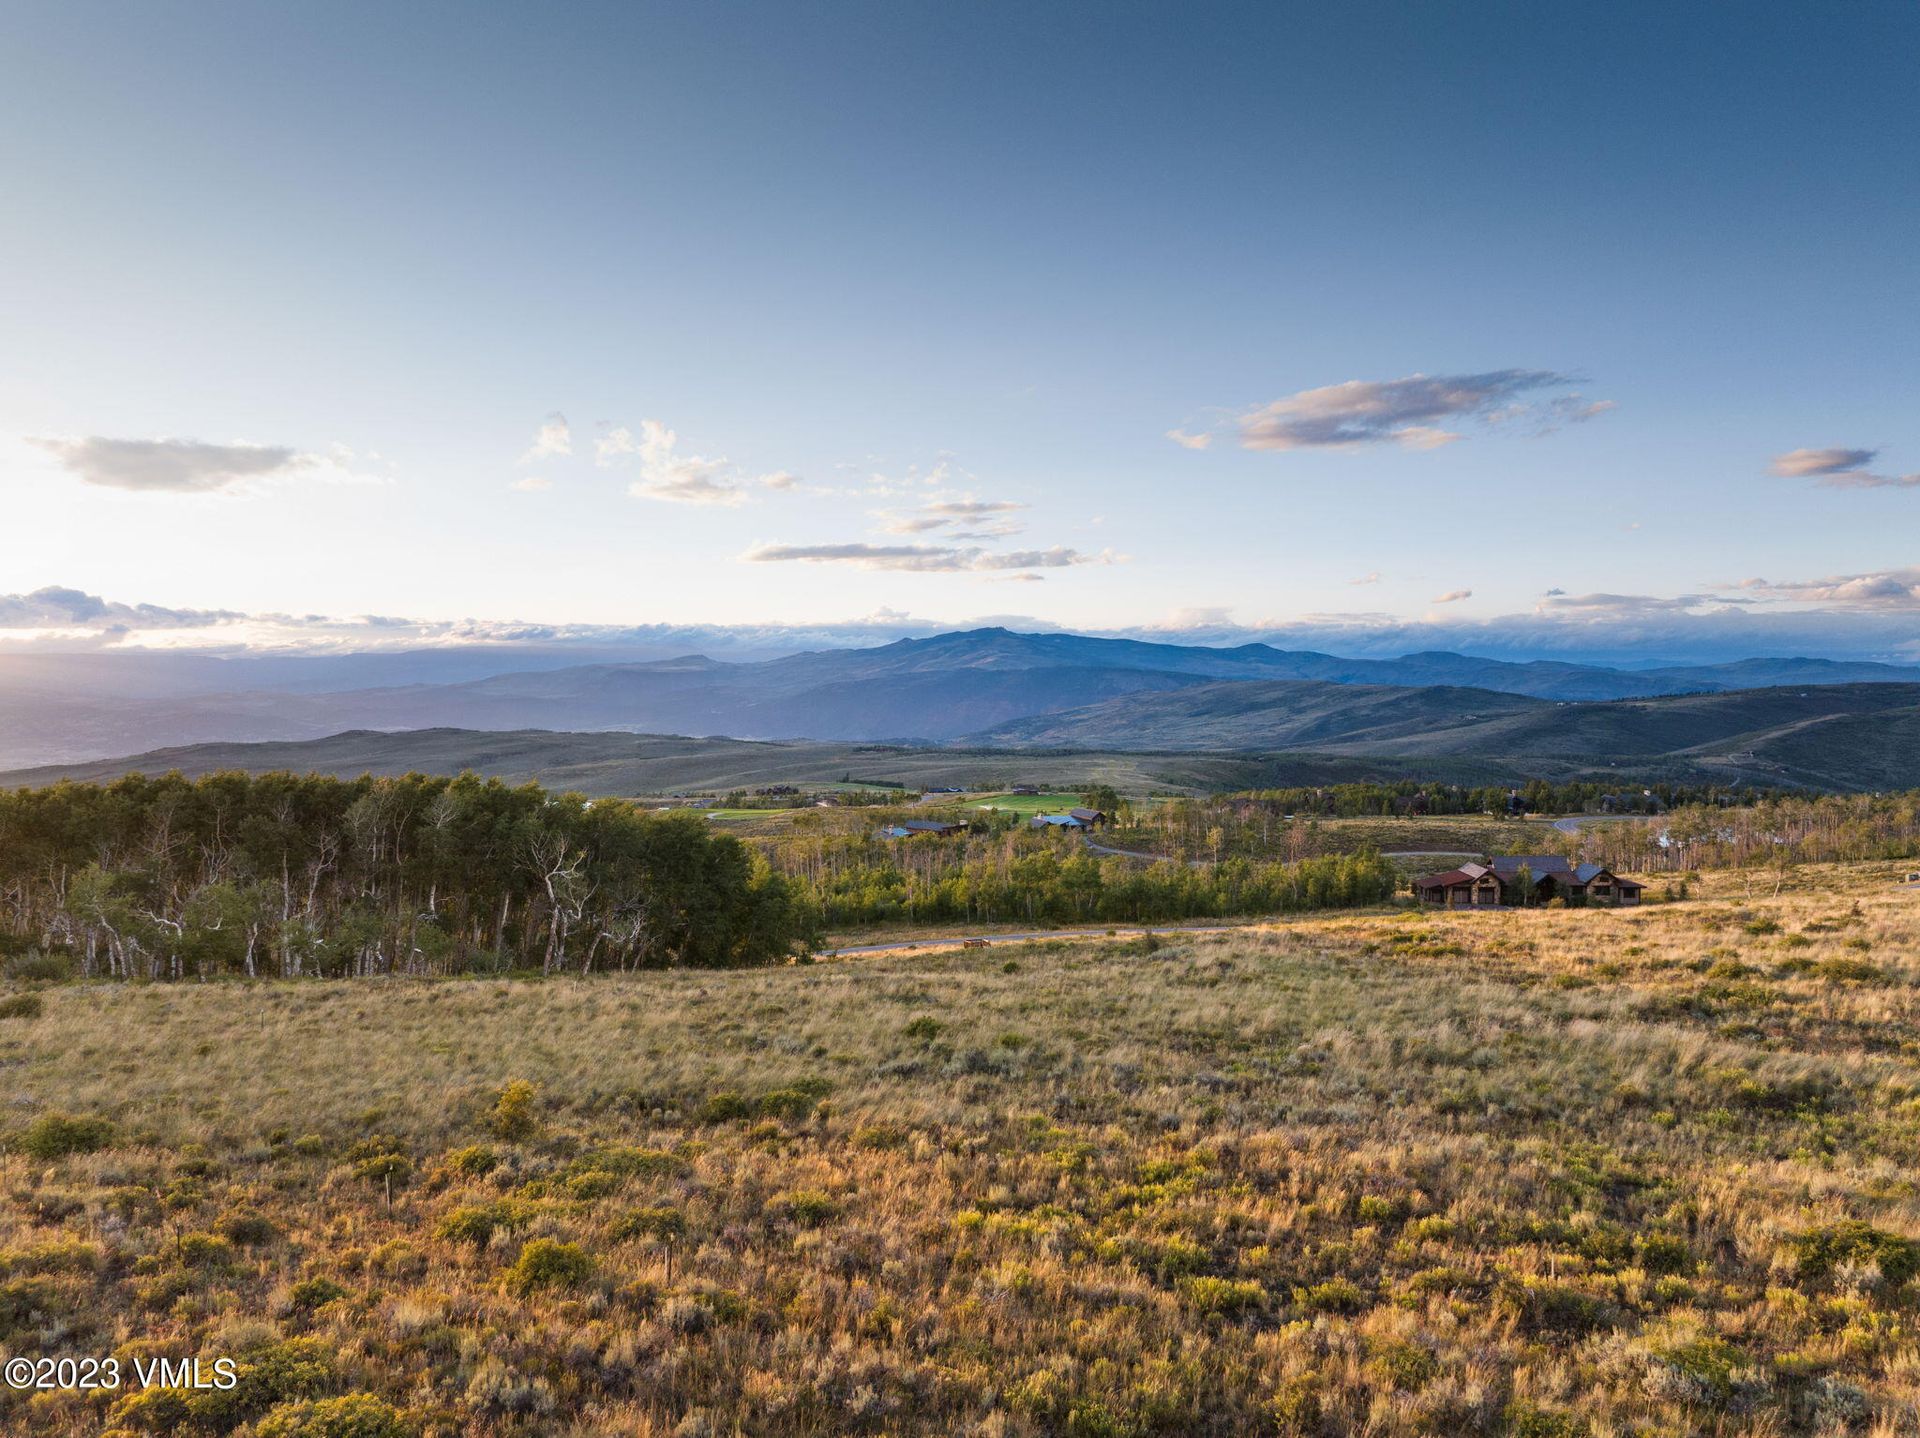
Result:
{"points": [[958, 940]]}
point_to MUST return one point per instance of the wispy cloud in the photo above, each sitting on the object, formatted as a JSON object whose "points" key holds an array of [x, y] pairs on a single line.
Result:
{"points": [[961, 518], [1838, 468], [176, 466], [1453, 596], [666, 474], [553, 441], [1410, 412], [923, 558], [1625, 606], [532, 484], [1882, 589], [1371, 577], [1189, 441]]}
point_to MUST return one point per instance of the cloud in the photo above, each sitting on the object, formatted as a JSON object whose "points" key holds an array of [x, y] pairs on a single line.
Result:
{"points": [[1453, 596], [962, 518], [1887, 589], [1407, 411], [1189, 441], [55, 607], [176, 466], [1371, 577], [1839, 469], [676, 478], [532, 484], [923, 558], [779, 479], [1623, 606], [554, 440]]}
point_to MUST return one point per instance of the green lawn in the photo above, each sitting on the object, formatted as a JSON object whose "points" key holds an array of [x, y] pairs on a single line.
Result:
{"points": [[1028, 804]]}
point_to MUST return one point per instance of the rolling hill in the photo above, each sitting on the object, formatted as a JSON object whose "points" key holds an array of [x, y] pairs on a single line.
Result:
{"points": [[1848, 736], [933, 690], [603, 764]]}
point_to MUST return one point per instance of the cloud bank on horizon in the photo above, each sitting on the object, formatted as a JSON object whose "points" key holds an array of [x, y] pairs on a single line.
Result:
{"points": [[1864, 617]]}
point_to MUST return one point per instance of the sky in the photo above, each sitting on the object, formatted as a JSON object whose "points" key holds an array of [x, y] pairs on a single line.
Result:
{"points": [[1500, 327]]}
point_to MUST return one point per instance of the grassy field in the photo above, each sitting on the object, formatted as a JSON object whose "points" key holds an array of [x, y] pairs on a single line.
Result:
{"points": [[1535, 1173], [1026, 805]]}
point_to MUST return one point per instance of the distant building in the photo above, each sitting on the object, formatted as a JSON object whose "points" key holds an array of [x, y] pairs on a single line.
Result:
{"points": [[1509, 880], [1072, 819], [912, 828]]}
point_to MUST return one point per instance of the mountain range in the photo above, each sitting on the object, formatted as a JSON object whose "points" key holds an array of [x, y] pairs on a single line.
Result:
{"points": [[1004, 687]]}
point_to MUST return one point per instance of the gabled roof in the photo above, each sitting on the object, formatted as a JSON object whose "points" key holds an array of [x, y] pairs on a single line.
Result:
{"points": [[931, 826], [1450, 878], [1539, 865], [1086, 816]]}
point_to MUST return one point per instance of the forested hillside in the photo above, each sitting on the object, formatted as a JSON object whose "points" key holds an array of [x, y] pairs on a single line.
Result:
{"points": [[306, 875]]}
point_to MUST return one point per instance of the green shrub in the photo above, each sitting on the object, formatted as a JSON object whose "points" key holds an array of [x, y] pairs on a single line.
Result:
{"points": [[1821, 1250], [476, 1223], [1403, 1367], [1336, 1295], [21, 1006], [358, 1415], [475, 1161], [248, 1229], [809, 1207], [1223, 1295], [1537, 1307], [663, 1224], [380, 1160], [56, 1135], [549, 1263], [1663, 1253], [35, 966], [514, 1116], [923, 1027], [311, 1293], [1295, 1408], [1524, 1420]]}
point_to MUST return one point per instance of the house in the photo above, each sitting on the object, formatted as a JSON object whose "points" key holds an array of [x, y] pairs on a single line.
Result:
{"points": [[1471, 886], [1072, 819], [912, 828], [1510, 880]]}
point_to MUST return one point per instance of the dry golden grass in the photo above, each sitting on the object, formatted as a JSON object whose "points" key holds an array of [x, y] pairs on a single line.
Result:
{"points": [[1539, 1173]]}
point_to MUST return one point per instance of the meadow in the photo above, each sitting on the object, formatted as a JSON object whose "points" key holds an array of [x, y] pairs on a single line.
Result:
{"points": [[1541, 1173]]}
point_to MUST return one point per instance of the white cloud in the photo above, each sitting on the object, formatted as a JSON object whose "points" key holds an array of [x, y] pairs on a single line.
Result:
{"points": [[1453, 596], [532, 484], [961, 518], [176, 466], [553, 441], [1371, 577], [924, 558], [779, 479], [1189, 441], [1839, 469], [666, 474], [1405, 411], [1884, 589]]}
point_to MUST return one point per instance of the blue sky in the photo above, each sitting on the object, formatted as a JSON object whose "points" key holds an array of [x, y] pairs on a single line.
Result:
{"points": [[750, 315]]}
